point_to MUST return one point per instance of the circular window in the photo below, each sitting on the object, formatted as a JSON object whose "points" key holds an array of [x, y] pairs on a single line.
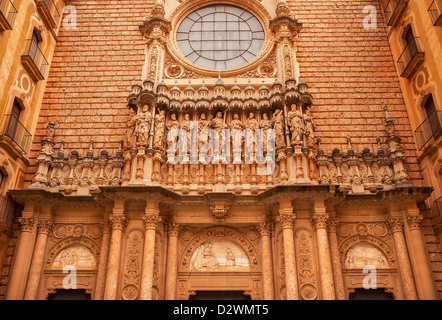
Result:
{"points": [[220, 37]]}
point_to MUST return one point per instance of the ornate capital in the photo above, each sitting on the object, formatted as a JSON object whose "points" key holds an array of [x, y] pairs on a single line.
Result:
{"points": [[396, 224], [332, 224], [151, 221], [265, 228], [414, 222], [26, 224], [320, 221], [286, 220], [118, 222], [173, 229], [44, 226]]}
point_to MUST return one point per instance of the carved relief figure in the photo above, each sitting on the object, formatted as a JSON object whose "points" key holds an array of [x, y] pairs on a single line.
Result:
{"points": [[78, 256], [278, 126], [130, 138], [159, 131], [143, 126], [296, 126], [219, 255], [230, 260], [364, 254]]}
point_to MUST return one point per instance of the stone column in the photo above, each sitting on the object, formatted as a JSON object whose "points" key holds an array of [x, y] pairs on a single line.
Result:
{"points": [[19, 270], [151, 220], [325, 265], [172, 261], [286, 217], [397, 227], [267, 261], [422, 272], [102, 266], [338, 279], [43, 226], [118, 222]]}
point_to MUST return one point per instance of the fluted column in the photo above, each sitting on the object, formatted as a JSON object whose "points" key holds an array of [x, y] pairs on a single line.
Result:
{"points": [[102, 266], [397, 227], [338, 279], [286, 217], [151, 220], [265, 229], [43, 227], [422, 272], [118, 223], [172, 261], [19, 270], [325, 265]]}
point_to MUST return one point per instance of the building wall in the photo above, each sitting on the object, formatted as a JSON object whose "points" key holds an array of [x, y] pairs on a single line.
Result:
{"points": [[16, 83], [351, 76]]}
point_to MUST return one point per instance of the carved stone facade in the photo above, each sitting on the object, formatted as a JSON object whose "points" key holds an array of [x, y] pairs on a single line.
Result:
{"points": [[180, 205]]}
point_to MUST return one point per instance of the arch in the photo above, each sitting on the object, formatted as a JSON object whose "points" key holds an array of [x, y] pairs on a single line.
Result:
{"points": [[213, 234], [377, 243], [70, 242]]}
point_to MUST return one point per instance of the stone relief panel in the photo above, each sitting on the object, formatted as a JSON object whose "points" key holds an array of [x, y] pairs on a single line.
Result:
{"points": [[132, 267], [76, 255], [363, 254], [306, 266], [219, 249], [220, 255]]}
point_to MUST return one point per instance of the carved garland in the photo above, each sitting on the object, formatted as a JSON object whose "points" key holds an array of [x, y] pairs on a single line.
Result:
{"points": [[214, 232]]}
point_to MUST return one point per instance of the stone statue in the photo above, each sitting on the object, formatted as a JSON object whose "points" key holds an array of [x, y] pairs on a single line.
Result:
{"points": [[159, 131], [185, 127], [143, 126], [203, 124], [171, 125], [309, 128], [265, 124], [236, 128], [296, 126], [130, 139], [278, 126], [251, 124]]}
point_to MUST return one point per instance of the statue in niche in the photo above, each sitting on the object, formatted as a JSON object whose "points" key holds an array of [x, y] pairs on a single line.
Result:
{"points": [[309, 128], [159, 131], [218, 125], [265, 124], [203, 124], [295, 125], [230, 260], [251, 124], [143, 126], [278, 126], [130, 138], [185, 130], [236, 128], [172, 124]]}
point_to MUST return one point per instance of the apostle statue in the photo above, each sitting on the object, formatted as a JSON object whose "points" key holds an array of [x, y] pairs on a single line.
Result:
{"points": [[296, 126], [278, 126], [159, 131], [143, 126]]}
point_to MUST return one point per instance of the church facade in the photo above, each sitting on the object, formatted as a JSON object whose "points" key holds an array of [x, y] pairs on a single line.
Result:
{"points": [[193, 147]]}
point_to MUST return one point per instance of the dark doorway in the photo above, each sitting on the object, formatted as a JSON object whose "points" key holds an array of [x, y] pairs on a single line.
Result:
{"points": [[71, 294], [220, 295], [370, 294]]}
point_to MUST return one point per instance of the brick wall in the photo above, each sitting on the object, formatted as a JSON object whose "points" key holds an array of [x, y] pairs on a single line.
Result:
{"points": [[350, 72]]}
